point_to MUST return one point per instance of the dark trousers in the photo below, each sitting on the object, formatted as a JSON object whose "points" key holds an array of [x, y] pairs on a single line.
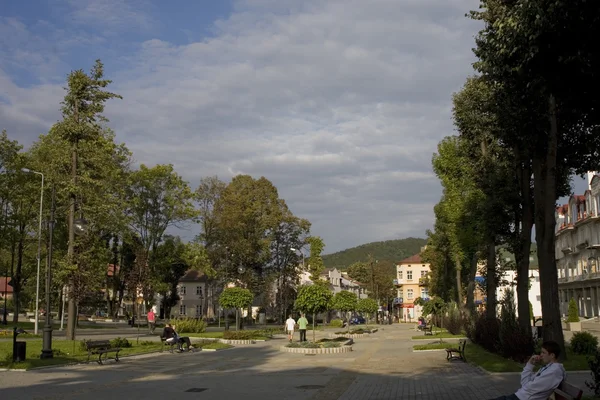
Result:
{"points": [[303, 335], [507, 397], [184, 340]]}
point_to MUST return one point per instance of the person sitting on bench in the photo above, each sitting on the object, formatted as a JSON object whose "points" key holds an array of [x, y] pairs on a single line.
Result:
{"points": [[540, 385], [422, 323], [171, 336], [181, 340]]}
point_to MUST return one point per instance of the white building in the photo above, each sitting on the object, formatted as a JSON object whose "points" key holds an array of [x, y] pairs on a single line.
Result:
{"points": [[577, 248]]}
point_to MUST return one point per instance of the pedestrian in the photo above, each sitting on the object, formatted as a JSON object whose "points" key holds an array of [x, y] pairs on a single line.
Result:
{"points": [[541, 384], [290, 325], [302, 324], [151, 321]]}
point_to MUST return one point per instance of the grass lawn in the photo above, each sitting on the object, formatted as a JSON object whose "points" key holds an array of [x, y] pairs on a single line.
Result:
{"points": [[210, 345], [217, 335], [495, 363], [438, 335], [30, 326], [65, 352]]}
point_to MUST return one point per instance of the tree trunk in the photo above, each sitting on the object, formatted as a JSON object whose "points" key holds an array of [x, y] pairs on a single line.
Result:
{"points": [[490, 282], [545, 175], [14, 280], [470, 306], [458, 282], [524, 218]]}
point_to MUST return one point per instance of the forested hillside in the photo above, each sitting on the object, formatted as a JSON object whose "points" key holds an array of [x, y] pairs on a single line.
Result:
{"points": [[392, 250]]}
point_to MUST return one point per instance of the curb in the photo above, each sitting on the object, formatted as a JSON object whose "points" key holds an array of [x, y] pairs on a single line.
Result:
{"points": [[332, 350]]}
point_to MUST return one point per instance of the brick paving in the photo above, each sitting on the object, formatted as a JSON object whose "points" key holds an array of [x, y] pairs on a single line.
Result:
{"points": [[381, 367]]}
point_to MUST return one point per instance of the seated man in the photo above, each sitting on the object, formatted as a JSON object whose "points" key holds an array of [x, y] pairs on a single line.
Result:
{"points": [[183, 339], [540, 385], [171, 336]]}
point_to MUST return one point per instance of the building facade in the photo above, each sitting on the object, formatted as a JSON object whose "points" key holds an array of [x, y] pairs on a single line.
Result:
{"points": [[577, 248], [192, 296], [412, 282]]}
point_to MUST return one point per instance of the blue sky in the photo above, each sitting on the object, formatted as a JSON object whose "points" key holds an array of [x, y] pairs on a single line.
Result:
{"points": [[340, 103]]}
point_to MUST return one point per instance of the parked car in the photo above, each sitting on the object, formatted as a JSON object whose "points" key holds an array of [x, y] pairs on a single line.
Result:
{"points": [[357, 320]]}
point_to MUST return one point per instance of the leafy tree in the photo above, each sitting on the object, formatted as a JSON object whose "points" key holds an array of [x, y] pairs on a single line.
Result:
{"points": [[315, 260], [170, 264], [368, 306], [313, 299], [345, 302], [237, 298], [82, 120], [573, 312], [435, 307]]}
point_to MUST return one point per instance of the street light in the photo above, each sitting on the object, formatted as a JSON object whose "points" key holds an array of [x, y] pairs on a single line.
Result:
{"points": [[37, 285], [301, 252]]}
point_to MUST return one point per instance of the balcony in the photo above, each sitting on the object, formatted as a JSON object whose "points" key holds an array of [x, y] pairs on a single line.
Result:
{"points": [[424, 281]]}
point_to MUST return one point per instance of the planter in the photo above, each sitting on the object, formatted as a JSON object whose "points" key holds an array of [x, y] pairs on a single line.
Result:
{"points": [[329, 350], [575, 326]]}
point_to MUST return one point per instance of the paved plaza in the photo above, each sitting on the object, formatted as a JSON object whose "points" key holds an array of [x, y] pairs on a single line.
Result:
{"points": [[383, 366]]}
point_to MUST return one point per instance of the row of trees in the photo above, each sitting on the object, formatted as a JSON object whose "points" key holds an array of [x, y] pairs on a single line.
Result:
{"points": [[526, 122], [89, 175]]}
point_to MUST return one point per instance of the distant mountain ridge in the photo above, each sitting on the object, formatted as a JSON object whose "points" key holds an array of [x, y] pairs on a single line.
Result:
{"points": [[391, 250]]}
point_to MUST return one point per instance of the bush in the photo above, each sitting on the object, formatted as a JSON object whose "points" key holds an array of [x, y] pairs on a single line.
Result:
{"points": [[328, 345], [594, 365], [247, 335], [485, 332], [515, 343], [336, 323], [120, 343], [573, 311], [584, 343], [454, 320], [189, 325]]}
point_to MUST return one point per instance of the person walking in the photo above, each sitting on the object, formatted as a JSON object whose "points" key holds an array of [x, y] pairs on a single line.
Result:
{"points": [[302, 324], [290, 325], [151, 321]]}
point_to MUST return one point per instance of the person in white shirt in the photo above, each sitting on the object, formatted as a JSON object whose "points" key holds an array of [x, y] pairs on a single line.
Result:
{"points": [[290, 325], [540, 385]]}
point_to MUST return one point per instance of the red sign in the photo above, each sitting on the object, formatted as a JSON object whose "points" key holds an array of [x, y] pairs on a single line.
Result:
{"points": [[407, 305]]}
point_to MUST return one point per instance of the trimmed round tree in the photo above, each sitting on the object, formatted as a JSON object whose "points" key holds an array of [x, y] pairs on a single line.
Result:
{"points": [[368, 306], [237, 298], [313, 299], [345, 302]]}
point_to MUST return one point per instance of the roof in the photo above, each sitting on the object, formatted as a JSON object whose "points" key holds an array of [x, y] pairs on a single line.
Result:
{"points": [[193, 275], [5, 286], [415, 259]]}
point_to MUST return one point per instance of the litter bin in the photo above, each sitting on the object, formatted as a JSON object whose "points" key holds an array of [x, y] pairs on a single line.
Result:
{"points": [[19, 351]]}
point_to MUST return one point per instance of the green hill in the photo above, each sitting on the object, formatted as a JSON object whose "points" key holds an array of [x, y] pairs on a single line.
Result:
{"points": [[392, 250]]}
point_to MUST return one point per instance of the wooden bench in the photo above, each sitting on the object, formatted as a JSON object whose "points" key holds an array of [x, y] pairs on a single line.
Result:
{"points": [[428, 330], [101, 347], [566, 391], [460, 351]]}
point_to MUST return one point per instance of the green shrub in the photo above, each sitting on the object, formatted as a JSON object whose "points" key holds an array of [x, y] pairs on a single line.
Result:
{"points": [[485, 332], [293, 345], [120, 343], [241, 335], [310, 345], [189, 325], [584, 343], [328, 345], [515, 343], [454, 319], [573, 311], [336, 323]]}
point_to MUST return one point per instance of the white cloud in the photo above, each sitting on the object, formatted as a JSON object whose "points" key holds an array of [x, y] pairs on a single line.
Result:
{"points": [[339, 103]]}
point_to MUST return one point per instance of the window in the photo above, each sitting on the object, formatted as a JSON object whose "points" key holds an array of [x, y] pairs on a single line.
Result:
{"points": [[182, 290], [198, 310], [199, 290], [537, 278], [423, 274], [424, 293], [538, 297], [409, 293], [182, 309], [399, 274], [409, 275]]}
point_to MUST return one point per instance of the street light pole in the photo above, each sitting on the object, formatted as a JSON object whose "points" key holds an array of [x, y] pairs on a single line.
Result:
{"points": [[47, 337], [39, 250]]}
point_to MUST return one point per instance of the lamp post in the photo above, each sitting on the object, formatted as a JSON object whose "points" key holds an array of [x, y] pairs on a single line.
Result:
{"points": [[37, 286], [47, 336], [301, 252]]}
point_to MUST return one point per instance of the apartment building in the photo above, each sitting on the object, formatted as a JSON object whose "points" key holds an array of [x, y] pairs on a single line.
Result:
{"points": [[192, 296], [577, 248], [412, 281], [339, 281]]}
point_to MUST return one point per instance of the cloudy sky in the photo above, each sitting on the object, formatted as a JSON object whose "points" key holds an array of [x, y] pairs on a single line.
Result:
{"points": [[340, 103]]}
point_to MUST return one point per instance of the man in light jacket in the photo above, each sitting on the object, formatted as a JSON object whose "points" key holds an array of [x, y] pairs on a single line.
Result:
{"points": [[540, 385]]}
